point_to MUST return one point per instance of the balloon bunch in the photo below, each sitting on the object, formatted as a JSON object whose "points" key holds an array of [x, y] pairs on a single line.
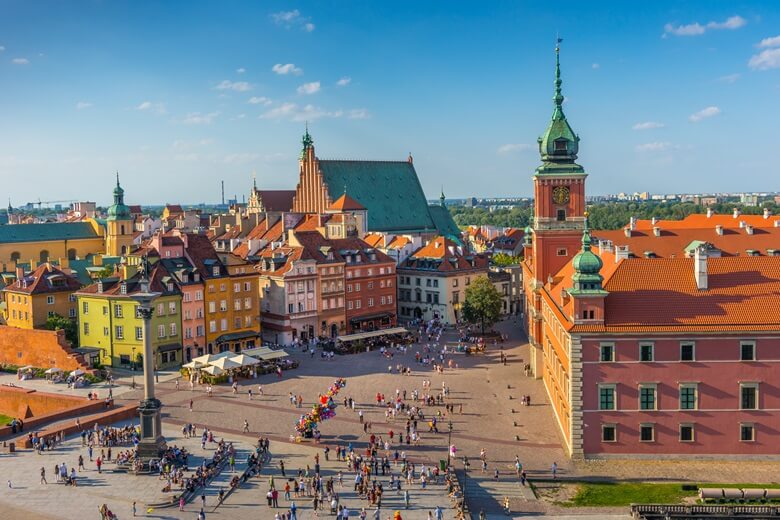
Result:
{"points": [[325, 408]]}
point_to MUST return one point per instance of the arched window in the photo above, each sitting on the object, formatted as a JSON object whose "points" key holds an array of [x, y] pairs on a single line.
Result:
{"points": [[122, 229], [71, 254], [124, 250], [43, 256], [15, 256]]}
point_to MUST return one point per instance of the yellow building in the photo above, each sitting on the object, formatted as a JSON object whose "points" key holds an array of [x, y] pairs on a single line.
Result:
{"points": [[109, 319], [33, 297]]}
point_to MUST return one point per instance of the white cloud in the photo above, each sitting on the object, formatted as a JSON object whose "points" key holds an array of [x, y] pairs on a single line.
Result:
{"points": [[262, 100], [290, 19], [513, 147], [697, 29], [595, 66], [343, 82], [81, 105], [647, 125], [241, 70], [765, 60], [731, 78], [2, 48], [294, 112], [148, 106], [653, 147], [359, 113], [238, 86], [287, 68], [20, 61], [197, 118], [774, 41], [309, 88], [704, 113], [240, 158]]}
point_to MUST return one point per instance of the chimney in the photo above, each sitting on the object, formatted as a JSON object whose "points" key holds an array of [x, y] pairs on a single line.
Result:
{"points": [[709, 212], [700, 267], [657, 231], [654, 220], [742, 224], [410, 159], [632, 224], [19, 272], [627, 231], [621, 253], [719, 229], [736, 212], [767, 213], [748, 229]]}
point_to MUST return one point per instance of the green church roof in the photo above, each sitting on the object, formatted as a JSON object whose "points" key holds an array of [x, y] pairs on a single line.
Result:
{"points": [[49, 231], [389, 190], [118, 210], [442, 220]]}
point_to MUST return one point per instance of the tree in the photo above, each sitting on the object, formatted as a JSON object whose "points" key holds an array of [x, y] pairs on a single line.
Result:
{"points": [[57, 322], [503, 259], [482, 304]]}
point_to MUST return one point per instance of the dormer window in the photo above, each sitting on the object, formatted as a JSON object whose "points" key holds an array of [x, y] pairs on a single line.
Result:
{"points": [[215, 270], [560, 145], [123, 288], [170, 286]]}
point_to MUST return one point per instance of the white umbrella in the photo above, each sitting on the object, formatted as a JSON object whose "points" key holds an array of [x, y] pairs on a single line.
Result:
{"points": [[214, 371], [53, 370], [78, 372], [206, 359], [245, 360], [28, 367], [194, 364], [225, 363]]}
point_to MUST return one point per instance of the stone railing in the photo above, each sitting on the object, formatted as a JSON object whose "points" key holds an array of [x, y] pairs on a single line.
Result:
{"points": [[672, 512]]}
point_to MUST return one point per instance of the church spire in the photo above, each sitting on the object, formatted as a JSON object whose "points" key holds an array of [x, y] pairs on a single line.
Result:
{"points": [[442, 198], [307, 141], [558, 97]]}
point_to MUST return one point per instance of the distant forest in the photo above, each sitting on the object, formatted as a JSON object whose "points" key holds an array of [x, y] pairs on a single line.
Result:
{"points": [[607, 215]]}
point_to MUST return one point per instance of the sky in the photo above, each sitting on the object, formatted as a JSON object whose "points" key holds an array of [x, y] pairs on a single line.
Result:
{"points": [[667, 97]]}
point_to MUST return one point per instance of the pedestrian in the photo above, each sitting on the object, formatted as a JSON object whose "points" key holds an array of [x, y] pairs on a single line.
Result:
{"points": [[250, 393], [181, 498], [43, 475], [177, 383], [495, 475], [406, 498], [246, 426], [134, 509], [202, 515], [554, 470], [99, 464], [202, 501]]}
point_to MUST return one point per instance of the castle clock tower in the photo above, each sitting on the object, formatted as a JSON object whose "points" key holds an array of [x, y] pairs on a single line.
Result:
{"points": [[119, 224], [559, 192]]}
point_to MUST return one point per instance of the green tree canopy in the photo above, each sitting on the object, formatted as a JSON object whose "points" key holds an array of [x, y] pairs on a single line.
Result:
{"points": [[57, 322], [503, 259], [482, 304]]}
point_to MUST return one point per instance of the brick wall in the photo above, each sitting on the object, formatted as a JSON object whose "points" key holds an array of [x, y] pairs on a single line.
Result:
{"points": [[39, 348]]}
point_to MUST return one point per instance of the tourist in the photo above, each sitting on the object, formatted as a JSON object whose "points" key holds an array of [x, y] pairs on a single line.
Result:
{"points": [[43, 475], [554, 470]]}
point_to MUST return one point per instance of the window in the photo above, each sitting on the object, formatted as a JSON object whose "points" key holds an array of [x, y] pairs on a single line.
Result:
{"points": [[71, 297], [199, 330], [747, 350], [188, 333], [349, 305], [139, 333], [607, 352], [117, 311], [686, 433], [198, 295], [247, 286], [71, 313], [247, 321], [236, 287], [223, 324], [646, 352], [237, 322], [606, 397], [50, 300], [247, 303], [358, 304], [160, 309], [646, 432], [86, 328], [455, 282], [747, 432], [748, 396], [382, 300], [237, 304], [349, 287], [370, 302], [223, 305], [171, 307], [172, 329], [389, 300], [161, 331], [561, 215], [561, 251], [119, 332], [222, 287], [647, 397], [688, 397], [608, 433], [124, 359], [213, 326], [290, 308], [357, 287], [212, 307], [187, 297], [687, 352], [370, 285], [84, 307], [105, 331]]}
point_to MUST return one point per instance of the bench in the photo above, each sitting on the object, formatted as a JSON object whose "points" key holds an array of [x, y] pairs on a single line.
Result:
{"points": [[710, 493], [772, 494], [754, 494], [733, 494]]}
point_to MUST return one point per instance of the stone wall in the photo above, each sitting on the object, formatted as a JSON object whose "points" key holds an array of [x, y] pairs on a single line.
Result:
{"points": [[39, 348]]}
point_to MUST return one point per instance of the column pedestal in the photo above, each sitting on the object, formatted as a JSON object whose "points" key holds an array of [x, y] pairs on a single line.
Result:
{"points": [[152, 442]]}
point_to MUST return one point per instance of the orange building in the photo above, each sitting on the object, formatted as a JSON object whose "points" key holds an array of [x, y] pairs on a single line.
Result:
{"points": [[35, 296]]}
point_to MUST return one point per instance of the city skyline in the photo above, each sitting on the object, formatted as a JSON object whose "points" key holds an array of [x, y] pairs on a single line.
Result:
{"points": [[178, 101]]}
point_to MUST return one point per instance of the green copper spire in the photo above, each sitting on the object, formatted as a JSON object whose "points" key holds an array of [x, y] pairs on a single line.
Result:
{"points": [[559, 145], [587, 266], [307, 141], [442, 198], [118, 211]]}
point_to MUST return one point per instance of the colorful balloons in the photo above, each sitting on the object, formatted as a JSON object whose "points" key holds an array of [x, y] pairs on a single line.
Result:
{"points": [[325, 409]]}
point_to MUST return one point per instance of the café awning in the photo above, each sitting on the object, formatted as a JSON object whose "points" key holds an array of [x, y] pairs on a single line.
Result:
{"points": [[373, 334]]}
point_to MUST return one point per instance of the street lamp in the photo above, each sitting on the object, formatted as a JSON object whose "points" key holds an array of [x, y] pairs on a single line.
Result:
{"points": [[449, 442], [132, 366], [152, 442], [466, 466]]}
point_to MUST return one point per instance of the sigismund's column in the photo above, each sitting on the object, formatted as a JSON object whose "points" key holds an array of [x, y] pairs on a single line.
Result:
{"points": [[152, 442]]}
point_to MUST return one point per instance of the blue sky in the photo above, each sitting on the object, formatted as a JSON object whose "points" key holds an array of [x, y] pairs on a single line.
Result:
{"points": [[666, 96]]}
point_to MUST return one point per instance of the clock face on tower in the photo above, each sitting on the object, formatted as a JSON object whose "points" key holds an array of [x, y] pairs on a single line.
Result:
{"points": [[560, 195]]}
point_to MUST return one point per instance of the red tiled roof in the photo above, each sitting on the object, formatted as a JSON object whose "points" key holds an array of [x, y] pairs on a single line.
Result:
{"points": [[442, 254], [346, 203], [45, 279], [699, 220]]}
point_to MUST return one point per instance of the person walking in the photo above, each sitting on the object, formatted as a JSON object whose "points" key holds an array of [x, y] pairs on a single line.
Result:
{"points": [[246, 426], [554, 470], [190, 404], [43, 475], [250, 393]]}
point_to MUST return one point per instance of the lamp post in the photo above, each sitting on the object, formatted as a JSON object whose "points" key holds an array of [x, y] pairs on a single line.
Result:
{"points": [[466, 466], [132, 366], [152, 441], [449, 442]]}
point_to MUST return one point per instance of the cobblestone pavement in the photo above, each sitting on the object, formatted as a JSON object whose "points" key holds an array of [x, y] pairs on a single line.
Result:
{"points": [[492, 419]]}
